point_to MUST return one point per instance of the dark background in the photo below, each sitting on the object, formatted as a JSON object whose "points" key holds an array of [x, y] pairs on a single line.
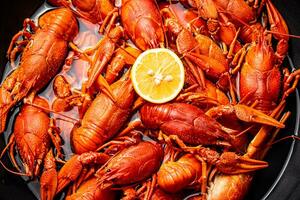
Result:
{"points": [[13, 187]]}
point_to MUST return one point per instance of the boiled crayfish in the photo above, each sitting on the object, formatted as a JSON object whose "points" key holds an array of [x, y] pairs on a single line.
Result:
{"points": [[117, 145], [41, 60], [93, 131]]}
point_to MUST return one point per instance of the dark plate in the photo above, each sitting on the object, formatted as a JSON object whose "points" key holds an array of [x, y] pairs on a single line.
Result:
{"points": [[280, 181]]}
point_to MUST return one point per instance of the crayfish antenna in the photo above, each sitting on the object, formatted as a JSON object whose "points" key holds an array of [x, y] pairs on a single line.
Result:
{"points": [[10, 145], [52, 111], [11, 142], [11, 171], [283, 34]]}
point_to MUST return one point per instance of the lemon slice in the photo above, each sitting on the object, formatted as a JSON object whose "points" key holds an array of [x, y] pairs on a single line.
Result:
{"points": [[158, 75]]}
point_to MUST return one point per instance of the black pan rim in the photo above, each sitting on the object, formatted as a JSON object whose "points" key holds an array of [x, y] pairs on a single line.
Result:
{"points": [[290, 153]]}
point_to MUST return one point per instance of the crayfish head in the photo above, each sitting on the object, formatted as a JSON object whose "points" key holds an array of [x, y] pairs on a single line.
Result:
{"points": [[148, 34], [104, 179], [261, 55], [32, 149], [32, 166]]}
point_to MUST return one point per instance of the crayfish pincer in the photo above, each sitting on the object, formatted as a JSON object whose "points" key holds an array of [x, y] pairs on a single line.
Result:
{"points": [[75, 167], [42, 58]]}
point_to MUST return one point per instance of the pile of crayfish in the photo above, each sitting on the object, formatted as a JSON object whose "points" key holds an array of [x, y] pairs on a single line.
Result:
{"points": [[88, 135]]}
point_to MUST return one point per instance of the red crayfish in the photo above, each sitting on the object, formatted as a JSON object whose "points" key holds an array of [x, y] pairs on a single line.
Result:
{"points": [[41, 60]]}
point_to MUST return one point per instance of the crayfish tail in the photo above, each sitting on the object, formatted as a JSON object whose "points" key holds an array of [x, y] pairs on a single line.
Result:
{"points": [[83, 139]]}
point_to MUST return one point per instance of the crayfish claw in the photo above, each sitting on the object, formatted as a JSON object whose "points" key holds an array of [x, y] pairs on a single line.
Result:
{"points": [[74, 167], [231, 163], [105, 87], [244, 113], [252, 165], [249, 114], [49, 178], [69, 172]]}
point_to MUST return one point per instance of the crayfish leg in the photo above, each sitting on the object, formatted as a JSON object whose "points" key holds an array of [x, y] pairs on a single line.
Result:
{"points": [[11, 145], [197, 73], [54, 132], [109, 20], [293, 79]]}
